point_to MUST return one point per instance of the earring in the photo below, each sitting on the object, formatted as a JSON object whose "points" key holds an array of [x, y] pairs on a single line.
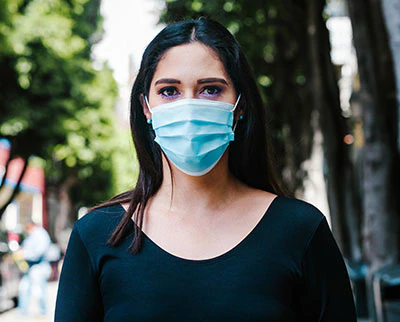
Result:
{"points": [[241, 117], [149, 121]]}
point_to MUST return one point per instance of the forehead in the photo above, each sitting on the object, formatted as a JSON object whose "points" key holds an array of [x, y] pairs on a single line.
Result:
{"points": [[190, 60]]}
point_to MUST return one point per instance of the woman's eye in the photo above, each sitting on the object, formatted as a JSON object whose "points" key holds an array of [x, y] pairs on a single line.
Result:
{"points": [[211, 90], [168, 91]]}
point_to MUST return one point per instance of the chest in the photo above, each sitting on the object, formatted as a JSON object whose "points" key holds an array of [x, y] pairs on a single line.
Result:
{"points": [[239, 286], [204, 235]]}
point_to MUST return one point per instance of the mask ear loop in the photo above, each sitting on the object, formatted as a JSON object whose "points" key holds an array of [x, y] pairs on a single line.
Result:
{"points": [[237, 101], [234, 108], [149, 121]]}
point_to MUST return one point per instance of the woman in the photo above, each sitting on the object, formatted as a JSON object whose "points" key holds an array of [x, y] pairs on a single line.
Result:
{"points": [[206, 235]]}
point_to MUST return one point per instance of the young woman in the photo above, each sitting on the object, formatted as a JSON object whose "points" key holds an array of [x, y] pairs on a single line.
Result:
{"points": [[206, 235]]}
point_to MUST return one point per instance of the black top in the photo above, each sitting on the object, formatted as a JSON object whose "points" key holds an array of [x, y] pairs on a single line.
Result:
{"points": [[288, 268]]}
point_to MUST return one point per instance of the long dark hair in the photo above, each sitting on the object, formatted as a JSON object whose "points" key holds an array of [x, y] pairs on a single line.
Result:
{"points": [[249, 155]]}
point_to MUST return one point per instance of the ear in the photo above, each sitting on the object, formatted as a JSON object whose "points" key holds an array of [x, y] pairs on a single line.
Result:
{"points": [[238, 115], [145, 107]]}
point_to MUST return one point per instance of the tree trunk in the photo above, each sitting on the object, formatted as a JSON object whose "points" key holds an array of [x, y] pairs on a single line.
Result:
{"points": [[53, 208], [391, 12], [3, 179], [340, 173], [64, 209], [379, 157], [379, 193], [16, 190]]}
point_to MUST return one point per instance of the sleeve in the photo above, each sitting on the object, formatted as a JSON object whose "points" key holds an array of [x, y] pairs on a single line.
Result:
{"points": [[326, 291], [78, 297]]}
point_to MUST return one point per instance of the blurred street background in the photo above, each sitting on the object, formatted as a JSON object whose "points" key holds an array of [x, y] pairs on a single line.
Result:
{"points": [[329, 73], [13, 315]]}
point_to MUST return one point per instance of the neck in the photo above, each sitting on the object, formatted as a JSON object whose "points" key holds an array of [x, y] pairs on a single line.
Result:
{"points": [[189, 194]]}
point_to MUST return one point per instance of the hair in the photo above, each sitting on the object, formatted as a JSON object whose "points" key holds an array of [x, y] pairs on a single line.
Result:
{"points": [[250, 155]]}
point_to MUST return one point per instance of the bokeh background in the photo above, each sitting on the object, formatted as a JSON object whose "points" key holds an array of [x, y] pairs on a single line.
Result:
{"points": [[329, 73]]}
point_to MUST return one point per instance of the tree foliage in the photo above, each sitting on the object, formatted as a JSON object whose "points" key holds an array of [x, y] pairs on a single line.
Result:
{"points": [[53, 102]]}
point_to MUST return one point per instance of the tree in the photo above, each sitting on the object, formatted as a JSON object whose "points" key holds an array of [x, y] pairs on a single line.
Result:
{"points": [[391, 13], [53, 102], [376, 100]]}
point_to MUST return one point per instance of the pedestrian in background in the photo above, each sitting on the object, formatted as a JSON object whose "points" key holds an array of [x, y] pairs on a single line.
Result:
{"points": [[34, 282], [207, 234]]}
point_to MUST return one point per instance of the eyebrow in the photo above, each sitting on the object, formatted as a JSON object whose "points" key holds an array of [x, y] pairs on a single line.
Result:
{"points": [[200, 81], [212, 80], [167, 81]]}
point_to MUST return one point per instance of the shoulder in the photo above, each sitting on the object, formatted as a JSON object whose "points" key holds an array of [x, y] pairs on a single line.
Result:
{"points": [[98, 224], [296, 217], [102, 215], [297, 209], [287, 208]]}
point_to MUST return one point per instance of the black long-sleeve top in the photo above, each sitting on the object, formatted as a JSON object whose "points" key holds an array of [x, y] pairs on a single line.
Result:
{"points": [[288, 268]]}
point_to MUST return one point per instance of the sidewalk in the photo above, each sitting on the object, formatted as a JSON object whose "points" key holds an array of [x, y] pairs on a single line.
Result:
{"points": [[13, 315]]}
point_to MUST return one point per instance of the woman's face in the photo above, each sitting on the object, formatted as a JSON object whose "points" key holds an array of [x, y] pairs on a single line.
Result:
{"points": [[190, 71]]}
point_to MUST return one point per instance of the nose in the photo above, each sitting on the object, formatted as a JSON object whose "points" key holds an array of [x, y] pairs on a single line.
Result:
{"points": [[189, 93]]}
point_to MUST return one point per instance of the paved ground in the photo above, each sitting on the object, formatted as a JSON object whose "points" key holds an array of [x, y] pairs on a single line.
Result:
{"points": [[13, 315]]}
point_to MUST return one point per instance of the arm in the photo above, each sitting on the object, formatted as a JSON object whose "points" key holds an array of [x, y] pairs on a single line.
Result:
{"points": [[326, 294], [78, 298]]}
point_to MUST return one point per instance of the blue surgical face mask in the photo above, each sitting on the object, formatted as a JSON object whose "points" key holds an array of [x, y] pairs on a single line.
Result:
{"points": [[193, 133]]}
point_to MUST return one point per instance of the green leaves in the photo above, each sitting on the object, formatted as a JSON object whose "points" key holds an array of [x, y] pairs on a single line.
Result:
{"points": [[50, 23], [53, 103]]}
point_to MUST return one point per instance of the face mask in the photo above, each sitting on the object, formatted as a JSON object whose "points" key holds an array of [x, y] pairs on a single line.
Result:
{"points": [[193, 133]]}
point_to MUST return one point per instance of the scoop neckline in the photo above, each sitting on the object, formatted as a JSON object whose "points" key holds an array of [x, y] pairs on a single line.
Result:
{"points": [[232, 251]]}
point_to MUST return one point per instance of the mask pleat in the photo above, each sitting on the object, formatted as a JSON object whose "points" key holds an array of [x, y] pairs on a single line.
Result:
{"points": [[193, 133]]}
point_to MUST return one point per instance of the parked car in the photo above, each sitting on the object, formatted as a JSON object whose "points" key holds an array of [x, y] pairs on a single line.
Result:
{"points": [[10, 274]]}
